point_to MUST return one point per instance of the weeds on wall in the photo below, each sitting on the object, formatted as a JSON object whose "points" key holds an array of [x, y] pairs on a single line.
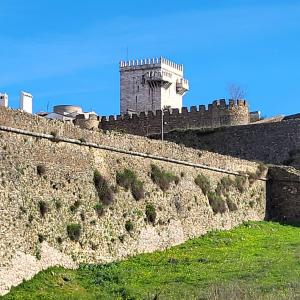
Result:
{"points": [[125, 178], [82, 216], [150, 213], [74, 231], [99, 209], [223, 189], [43, 208], [23, 209], [162, 178], [128, 180], [216, 202], [55, 136], [59, 240], [82, 140], [203, 182], [225, 185], [41, 170], [57, 204], [104, 191], [74, 207], [241, 183], [231, 205], [253, 176], [129, 226], [38, 255], [41, 238], [216, 197], [137, 190], [30, 218]]}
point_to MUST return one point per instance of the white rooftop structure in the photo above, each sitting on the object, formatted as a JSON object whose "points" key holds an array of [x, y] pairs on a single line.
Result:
{"points": [[26, 102], [3, 99], [66, 113]]}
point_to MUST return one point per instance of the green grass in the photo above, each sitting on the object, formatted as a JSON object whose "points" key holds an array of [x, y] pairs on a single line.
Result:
{"points": [[254, 261]]}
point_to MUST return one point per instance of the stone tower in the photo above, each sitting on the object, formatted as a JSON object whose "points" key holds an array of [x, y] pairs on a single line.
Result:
{"points": [[151, 84]]}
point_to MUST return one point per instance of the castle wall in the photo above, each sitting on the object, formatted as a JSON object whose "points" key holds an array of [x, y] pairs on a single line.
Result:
{"points": [[284, 195], [90, 124], [218, 114], [31, 242], [18, 119], [276, 143]]}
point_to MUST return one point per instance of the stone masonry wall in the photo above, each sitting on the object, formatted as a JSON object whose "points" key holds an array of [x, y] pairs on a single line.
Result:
{"points": [[31, 241], [283, 202], [20, 120], [276, 143]]}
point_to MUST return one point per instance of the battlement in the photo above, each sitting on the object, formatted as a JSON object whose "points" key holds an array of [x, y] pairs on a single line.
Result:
{"points": [[217, 114], [151, 62], [216, 105]]}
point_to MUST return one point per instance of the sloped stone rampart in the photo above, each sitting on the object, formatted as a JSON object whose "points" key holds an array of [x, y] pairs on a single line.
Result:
{"points": [[67, 181]]}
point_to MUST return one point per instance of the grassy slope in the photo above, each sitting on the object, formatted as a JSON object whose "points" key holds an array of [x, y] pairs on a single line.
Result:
{"points": [[255, 261]]}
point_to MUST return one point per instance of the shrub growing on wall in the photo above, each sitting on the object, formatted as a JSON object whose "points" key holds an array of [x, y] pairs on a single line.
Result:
{"points": [[74, 231], [43, 207], [128, 226], [99, 209], [163, 179], [224, 185], [137, 190], [77, 203], [253, 176], [41, 238], [240, 183], [55, 136], [41, 170], [150, 212], [204, 183], [104, 191], [216, 202], [57, 203], [128, 180], [231, 205], [75, 206]]}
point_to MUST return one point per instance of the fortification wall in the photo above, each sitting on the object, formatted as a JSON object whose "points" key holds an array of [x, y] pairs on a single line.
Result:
{"points": [[65, 185], [284, 194], [276, 143], [218, 114], [21, 120]]}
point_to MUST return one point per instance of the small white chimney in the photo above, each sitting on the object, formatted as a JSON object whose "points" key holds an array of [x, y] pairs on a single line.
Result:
{"points": [[26, 102], [4, 100]]}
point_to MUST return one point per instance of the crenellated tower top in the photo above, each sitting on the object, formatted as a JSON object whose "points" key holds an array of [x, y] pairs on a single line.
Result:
{"points": [[151, 62]]}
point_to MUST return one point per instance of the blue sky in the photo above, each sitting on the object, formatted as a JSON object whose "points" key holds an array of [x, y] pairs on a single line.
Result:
{"points": [[67, 52]]}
